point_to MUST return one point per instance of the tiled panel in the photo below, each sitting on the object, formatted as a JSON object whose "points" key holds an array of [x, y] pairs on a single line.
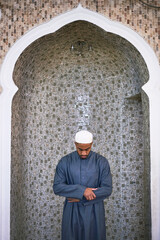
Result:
{"points": [[97, 86]]}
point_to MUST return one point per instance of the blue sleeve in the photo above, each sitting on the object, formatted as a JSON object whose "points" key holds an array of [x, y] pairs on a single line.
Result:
{"points": [[61, 188], [105, 188]]}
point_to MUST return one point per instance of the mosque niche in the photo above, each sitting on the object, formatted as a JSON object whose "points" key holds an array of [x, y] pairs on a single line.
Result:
{"points": [[61, 92]]}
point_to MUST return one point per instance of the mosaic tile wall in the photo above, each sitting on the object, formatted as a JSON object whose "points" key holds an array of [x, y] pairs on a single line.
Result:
{"points": [[97, 86], [19, 16]]}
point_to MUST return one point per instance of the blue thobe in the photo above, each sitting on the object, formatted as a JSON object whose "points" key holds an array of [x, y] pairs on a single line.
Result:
{"points": [[84, 220]]}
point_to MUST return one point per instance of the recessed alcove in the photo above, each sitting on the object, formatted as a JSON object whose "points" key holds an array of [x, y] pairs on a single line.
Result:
{"points": [[96, 84]]}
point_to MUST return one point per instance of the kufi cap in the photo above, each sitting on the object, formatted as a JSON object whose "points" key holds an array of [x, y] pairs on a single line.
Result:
{"points": [[84, 137]]}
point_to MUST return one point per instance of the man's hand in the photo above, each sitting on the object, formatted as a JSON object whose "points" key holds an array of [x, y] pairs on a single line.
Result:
{"points": [[89, 194], [73, 200]]}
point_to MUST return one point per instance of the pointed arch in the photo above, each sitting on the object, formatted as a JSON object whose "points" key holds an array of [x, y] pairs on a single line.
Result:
{"points": [[152, 88]]}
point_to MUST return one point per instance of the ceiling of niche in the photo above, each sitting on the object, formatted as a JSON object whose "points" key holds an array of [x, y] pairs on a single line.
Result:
{"points": [[58, 45]]}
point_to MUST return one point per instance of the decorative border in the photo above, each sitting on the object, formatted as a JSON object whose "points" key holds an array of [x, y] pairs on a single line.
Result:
{"points": [[152, 89]]}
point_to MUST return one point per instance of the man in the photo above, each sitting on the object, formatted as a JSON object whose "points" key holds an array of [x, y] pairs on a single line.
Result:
{"points": [[84, 178]]}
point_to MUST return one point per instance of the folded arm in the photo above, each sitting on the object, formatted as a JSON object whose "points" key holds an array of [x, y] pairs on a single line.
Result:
{"points": [[105, 188], [66, 190], [76, 191]]}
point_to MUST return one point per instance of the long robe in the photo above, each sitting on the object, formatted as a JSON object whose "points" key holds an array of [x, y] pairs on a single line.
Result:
{"points": [[84, 220]]}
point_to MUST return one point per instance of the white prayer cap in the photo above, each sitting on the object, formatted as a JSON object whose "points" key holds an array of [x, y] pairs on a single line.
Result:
{"points": [[84, 137]]}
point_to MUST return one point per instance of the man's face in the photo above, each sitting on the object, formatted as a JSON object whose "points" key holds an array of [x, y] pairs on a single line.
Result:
{"points": [[83, 149]]}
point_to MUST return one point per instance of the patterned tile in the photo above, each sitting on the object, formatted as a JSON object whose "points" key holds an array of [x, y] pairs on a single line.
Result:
{"points": [[62, 91]]}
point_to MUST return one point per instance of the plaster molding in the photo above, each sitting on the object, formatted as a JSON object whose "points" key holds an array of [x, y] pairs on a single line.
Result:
{"points": [[152, 88]]}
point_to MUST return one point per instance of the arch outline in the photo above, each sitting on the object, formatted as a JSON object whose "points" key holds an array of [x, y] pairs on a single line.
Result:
{"points": [[152, 89]]}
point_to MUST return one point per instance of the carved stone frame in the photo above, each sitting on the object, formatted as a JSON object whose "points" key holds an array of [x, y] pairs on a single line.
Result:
{"points": [[151, 88]]}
